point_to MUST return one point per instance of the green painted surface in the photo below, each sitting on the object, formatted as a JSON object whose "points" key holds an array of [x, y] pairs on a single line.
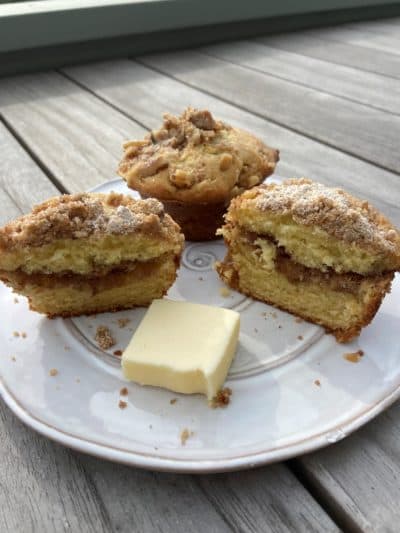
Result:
{"points": [[42, 40]]}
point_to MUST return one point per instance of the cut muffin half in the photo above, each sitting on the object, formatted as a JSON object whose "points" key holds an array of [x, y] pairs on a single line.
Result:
{"points": [[89, 253], [314, 251]]}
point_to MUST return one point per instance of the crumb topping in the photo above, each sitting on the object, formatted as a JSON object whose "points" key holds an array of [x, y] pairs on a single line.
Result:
{"points": [[334, 210], [194, 157], [104, 338], [83, 215]]}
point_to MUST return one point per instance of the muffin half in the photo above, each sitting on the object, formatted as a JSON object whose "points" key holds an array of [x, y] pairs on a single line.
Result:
{"points": [[195, 164], [89, 253], [311, 250]]}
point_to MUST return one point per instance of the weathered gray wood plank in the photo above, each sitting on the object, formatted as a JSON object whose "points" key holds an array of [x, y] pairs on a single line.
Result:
{"points": [[360, 476], [351, 127], [76, 136], [145, 94], [268, 499], [23, 181], [366, 88], [360, 37], [247, 500], [139, 501], [355, 56]]}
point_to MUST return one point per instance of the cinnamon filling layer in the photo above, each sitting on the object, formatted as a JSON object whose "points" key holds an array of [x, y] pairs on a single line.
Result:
{"points": [[128, 270], [297, 273]]}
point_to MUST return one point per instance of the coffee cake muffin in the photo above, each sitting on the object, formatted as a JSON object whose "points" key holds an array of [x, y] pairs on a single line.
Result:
{"points": [[195, 164], [311, 250], [89, 253]]}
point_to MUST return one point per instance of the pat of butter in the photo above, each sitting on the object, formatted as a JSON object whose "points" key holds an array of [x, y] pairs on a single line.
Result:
{"points": [[183, 347]]}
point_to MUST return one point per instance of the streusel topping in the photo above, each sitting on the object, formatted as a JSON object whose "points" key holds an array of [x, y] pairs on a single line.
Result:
{"points": [[82, 215], [195, 158], [333, 210]]}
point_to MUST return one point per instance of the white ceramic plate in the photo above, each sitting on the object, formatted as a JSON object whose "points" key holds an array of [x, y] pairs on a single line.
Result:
{"points": [[293, 391]]}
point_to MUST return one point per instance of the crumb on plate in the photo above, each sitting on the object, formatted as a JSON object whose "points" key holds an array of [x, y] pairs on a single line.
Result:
{"points": [[222, 398], [122, 322], [173, 401], [122, 404], [118, 353], [353, 357], [224, 292], [104, 337], [185, 434], [317, 383], [53, 372], [124, 391]]}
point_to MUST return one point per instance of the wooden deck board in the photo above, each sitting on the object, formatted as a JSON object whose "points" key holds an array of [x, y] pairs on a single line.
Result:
{"points": [[338, 53]]}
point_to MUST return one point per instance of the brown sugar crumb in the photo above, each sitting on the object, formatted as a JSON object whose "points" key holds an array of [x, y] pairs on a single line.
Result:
{"points": [[23, 335], [124, 391], [353, 357], [298, 320], [224, 292], [16, 300], [317, 383], [118, 353], [53, 372], [104, 338], [300, 337], [16, 333], [173, 401], [185, 434], [221, 399], [122, 404], [122, 322]]}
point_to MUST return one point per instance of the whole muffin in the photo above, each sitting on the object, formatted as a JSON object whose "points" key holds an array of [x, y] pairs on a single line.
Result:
{"points": [[195, 165]]}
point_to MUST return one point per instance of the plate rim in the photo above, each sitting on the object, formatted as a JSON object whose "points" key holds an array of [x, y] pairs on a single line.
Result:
{"points": [[197, 466]]}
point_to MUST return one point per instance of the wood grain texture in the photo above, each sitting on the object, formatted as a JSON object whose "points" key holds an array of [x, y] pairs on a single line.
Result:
{"points": [[263, 496], [360, 37], [359, 478], [74, 135], [366, 88], [350, 127], [359, 57], [138, 501], [23, 181], [146, 94]]}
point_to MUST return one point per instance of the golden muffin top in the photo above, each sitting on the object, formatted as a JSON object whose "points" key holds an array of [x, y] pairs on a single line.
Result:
{"points": [[195, 158], [83, 215]]}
